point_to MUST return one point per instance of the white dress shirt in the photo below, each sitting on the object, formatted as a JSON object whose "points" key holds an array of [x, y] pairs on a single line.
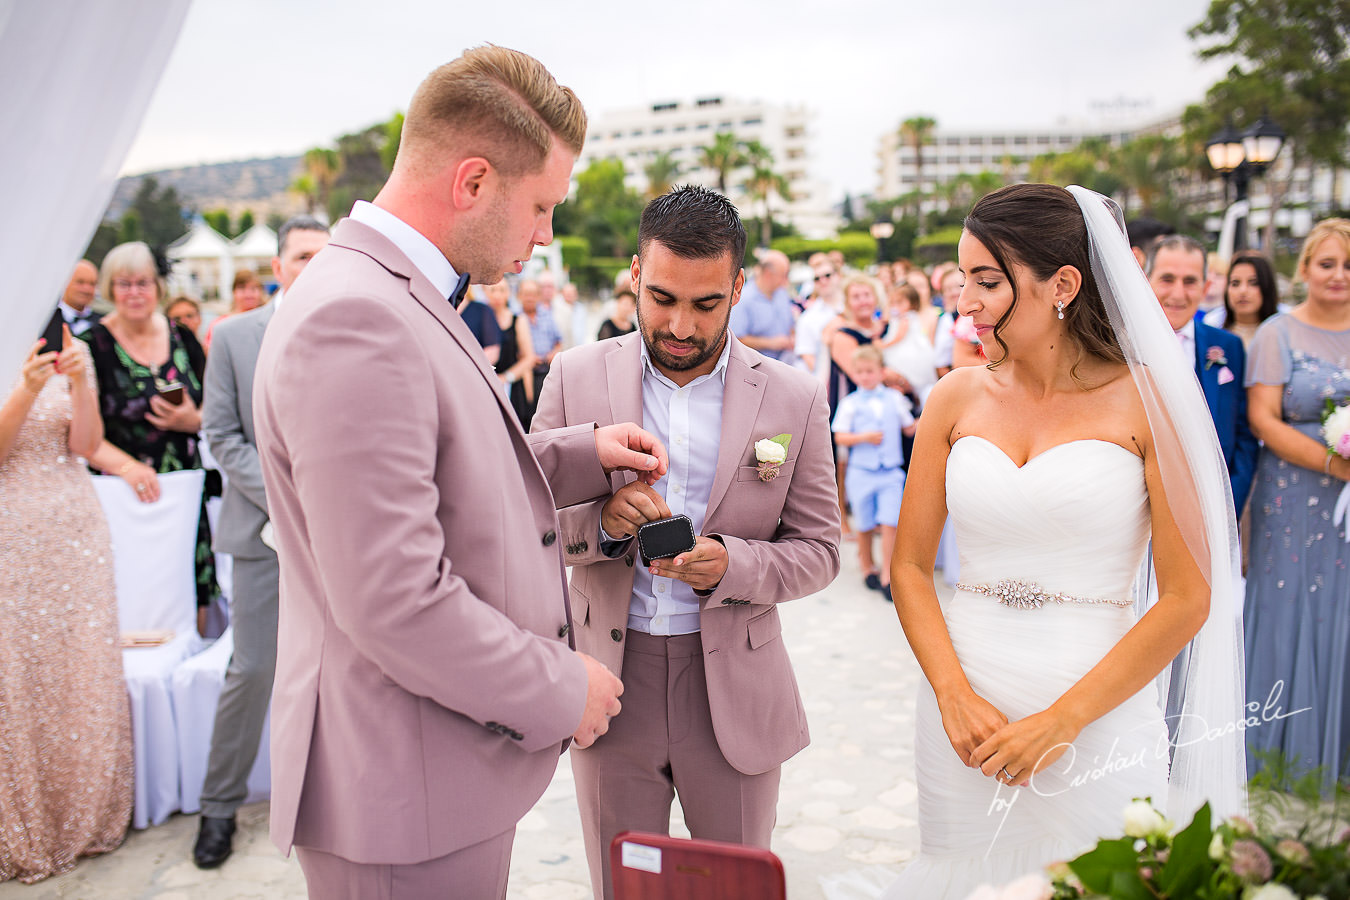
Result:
{"points": [[1186, 337], [688, 421], [425, 255]]}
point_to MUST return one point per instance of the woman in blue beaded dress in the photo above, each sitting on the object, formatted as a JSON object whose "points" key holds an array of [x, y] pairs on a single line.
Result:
{"points": [[1297, 612]]}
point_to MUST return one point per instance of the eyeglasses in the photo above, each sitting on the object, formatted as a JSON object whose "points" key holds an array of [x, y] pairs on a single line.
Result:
{"points": [[140, 284], [824, 275]]}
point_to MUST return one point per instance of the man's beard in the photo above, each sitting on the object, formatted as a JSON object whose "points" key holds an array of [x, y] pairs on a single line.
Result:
{"points": [[704, 350]]}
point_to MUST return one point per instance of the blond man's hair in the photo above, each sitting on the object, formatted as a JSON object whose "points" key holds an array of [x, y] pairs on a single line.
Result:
{"points": [[500, 104]]}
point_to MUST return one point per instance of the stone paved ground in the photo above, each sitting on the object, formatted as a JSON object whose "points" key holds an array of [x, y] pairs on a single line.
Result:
{"points": [[846, 816]]}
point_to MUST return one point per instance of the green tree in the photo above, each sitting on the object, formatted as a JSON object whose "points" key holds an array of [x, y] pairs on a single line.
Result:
{"points": [[219, 219], [661, 173], [322, 167], [762, 184], [157, 216], [1090, 164], [724, 156], [1148, 167], [393, 134], [246, 221], [604, 210], [1291, 60]]}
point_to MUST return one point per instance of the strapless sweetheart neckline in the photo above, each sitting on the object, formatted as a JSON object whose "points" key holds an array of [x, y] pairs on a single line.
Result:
{"points": [[1047, 451]]}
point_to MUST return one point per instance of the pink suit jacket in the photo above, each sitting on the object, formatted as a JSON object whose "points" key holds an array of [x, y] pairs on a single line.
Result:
{"points": [[425, 685], [782, 536]]}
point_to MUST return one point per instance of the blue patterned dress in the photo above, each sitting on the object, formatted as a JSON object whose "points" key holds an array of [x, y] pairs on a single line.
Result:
{"points": [[1297, 614]]}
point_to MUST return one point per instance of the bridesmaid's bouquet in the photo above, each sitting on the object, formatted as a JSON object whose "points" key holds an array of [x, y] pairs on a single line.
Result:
{"points": [[1336, 434]]}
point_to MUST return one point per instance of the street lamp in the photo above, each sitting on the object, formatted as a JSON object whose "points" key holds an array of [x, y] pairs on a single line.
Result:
{"points": [[882, 231], [1242, 156]]}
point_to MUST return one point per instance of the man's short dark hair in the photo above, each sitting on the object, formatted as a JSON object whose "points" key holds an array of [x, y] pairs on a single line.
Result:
{"points": [[1144, 231], [694, 223], [1182, 242], [294, 223]]}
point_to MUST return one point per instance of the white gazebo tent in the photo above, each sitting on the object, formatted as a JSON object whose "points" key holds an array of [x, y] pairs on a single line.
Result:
{"points": [[203, 262], [254, 250]]}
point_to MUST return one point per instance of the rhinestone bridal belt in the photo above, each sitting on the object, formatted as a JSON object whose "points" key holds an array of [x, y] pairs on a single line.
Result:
{"points": [[1029, 595]]}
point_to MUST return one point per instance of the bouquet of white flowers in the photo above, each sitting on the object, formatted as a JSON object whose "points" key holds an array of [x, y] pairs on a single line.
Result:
{"points": [[1336, 434]]}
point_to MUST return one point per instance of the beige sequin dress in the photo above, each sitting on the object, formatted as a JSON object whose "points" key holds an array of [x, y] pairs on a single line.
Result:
{"points": [[65, 727]]}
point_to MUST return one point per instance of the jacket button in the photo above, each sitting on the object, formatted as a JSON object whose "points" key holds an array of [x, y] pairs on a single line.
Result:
{"points": [[728, 601], [582, 547], [562, 630], [616, 634], [628, 561], [549, 537], [516, 736]]}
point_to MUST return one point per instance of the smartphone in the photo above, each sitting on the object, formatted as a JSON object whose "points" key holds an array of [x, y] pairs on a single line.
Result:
{"points": [[173, 393], [52, 333], [665, 538]]}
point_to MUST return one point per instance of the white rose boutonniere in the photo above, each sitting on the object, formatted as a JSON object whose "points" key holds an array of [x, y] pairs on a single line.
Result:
{"points": [[771, 453]]}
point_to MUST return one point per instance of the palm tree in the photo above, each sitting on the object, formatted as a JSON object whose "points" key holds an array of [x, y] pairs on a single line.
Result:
{"points": [[304, 186], [917, 131], [661, 173], [1146, 165], [323, 166], [723, 156], [762, 184]]}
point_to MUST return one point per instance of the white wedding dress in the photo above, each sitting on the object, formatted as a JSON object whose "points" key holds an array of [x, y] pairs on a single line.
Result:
{"points": [[1075, 521]]}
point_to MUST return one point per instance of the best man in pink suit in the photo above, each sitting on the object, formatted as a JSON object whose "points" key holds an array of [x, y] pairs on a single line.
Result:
{"points": [[710, 707], [425, 682]]}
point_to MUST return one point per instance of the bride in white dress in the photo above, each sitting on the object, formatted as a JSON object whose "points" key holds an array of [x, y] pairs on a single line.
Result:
{"points": [[1043, 715]]}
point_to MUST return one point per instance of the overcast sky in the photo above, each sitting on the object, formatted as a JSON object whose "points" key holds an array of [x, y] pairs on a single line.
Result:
{"points": [[263, 78]]}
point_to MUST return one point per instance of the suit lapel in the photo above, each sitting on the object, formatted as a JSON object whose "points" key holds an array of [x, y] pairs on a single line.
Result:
{"points": [[740, 412], [623, 372], [367, 240], [1209, 377]]}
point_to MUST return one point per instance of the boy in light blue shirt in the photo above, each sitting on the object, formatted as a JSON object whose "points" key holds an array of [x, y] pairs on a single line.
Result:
{"points": [[869, 422]]}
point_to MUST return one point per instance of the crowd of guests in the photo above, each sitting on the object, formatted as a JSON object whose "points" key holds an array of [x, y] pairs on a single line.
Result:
{"points": [[125, 394]]}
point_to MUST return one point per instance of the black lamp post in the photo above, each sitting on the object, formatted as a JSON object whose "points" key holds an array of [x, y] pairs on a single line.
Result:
{"points": [[1242, 156], [882, 231]]}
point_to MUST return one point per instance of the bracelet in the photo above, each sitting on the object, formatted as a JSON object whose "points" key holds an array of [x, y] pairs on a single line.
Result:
{"points": [[126, 467], [1326, 466]]}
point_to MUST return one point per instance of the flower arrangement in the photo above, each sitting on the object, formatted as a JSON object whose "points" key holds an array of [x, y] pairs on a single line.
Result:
{"points": [[771, 453], [1231, 860], [1336, 434]]}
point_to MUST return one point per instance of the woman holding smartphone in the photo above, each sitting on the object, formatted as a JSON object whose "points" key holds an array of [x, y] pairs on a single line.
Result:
{"points": [[150, 391], [65, 732]]}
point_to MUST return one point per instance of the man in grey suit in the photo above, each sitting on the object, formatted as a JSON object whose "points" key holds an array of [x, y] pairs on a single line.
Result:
{"points": [[227, 419]]}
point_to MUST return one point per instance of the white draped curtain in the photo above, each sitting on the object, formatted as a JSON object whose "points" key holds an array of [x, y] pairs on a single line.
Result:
{"points": [[77, 77]]}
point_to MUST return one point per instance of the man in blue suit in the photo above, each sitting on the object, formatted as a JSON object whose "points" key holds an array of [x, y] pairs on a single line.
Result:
{"points": [[1176, 269]]}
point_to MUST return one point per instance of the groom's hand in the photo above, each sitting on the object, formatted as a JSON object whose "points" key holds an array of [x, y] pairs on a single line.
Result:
{"points": [[626, 446], [603, 688], [701, 568]]}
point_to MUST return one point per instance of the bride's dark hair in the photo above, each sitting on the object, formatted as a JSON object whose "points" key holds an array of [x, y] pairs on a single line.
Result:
{"points": [[1040, 226]]}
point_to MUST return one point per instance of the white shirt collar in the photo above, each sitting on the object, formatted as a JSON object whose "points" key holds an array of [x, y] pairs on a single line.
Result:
{"points": [[425, 255], [720, 370], [1187, 331]]}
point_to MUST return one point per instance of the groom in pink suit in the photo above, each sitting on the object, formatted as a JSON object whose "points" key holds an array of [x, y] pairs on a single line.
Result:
{"points": [[710, 707], [425, 682]]}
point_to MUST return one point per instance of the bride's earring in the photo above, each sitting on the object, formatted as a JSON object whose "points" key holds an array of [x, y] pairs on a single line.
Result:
{"points": [[1060, 307]]}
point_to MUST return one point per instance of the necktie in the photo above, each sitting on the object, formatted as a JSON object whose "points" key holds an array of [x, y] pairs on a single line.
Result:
{"points": [[461, 288]]}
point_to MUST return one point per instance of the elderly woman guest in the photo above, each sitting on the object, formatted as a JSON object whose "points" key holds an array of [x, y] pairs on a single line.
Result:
{"points": [[1297, 612], [139, 355], [65, 732]]}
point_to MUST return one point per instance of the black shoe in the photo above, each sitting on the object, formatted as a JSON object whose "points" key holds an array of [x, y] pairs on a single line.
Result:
{"points": [[214, 842], [886, 593], [873, 581]]}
